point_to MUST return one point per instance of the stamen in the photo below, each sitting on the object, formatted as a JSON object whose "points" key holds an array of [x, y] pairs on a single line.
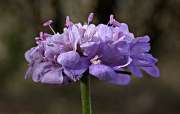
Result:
{"points": [[95, 60], [116, 23], [40, 38], [41, 35], [68, 21], [90, 18], [111, 20], [48, 23]]}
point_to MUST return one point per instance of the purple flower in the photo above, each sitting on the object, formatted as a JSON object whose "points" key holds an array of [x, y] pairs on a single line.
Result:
{"points": [[110, 53]]}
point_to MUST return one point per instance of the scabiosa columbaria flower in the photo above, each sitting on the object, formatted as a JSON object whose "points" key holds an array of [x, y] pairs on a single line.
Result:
{"points": [[110, 52]]}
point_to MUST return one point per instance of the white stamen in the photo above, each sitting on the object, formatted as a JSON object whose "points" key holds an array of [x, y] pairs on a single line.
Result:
{"points": [[68, 21], [90, 17], [48, 23], [95, 60], [111, 20], [52, 29]]}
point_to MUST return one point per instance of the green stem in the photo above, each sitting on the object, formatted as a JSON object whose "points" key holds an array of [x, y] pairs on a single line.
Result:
{"points": [[85, 94]]}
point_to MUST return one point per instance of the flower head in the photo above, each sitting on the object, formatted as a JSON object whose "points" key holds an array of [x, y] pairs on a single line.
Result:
{"points": [[110, 53]]}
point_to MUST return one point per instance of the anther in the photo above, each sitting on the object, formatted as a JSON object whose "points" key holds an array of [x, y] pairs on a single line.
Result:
{"points": [[95, 60], [111, 20], [48, 23], [90, 18], [68, 22]]}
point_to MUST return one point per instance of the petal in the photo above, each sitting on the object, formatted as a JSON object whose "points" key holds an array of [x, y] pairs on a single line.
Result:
{"points": [[104, 32], [68, 58], [53, 77], [123, 33], [55, 38], [39, 69], [52, 51], [102, 72], [113, 56], [120, 79], [145, 38], [28, 55], [124, 27], [116, 33], [128, 37], [153, 71], [90, 31], [33, 54], [123, 47], [74, 36], [90, 48], [140, 47], [75, 72], [28, 73], [135, 70], [144, 59]]}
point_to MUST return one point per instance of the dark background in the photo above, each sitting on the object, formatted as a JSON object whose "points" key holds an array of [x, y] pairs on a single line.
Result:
{"points": [[20, 22]]}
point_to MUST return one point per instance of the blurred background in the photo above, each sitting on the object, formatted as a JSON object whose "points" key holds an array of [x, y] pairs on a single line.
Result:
{"points": [[21, 21]]}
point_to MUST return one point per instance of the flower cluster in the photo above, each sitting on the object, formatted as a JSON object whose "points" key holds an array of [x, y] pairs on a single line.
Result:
{"points": [[108, 52]]}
